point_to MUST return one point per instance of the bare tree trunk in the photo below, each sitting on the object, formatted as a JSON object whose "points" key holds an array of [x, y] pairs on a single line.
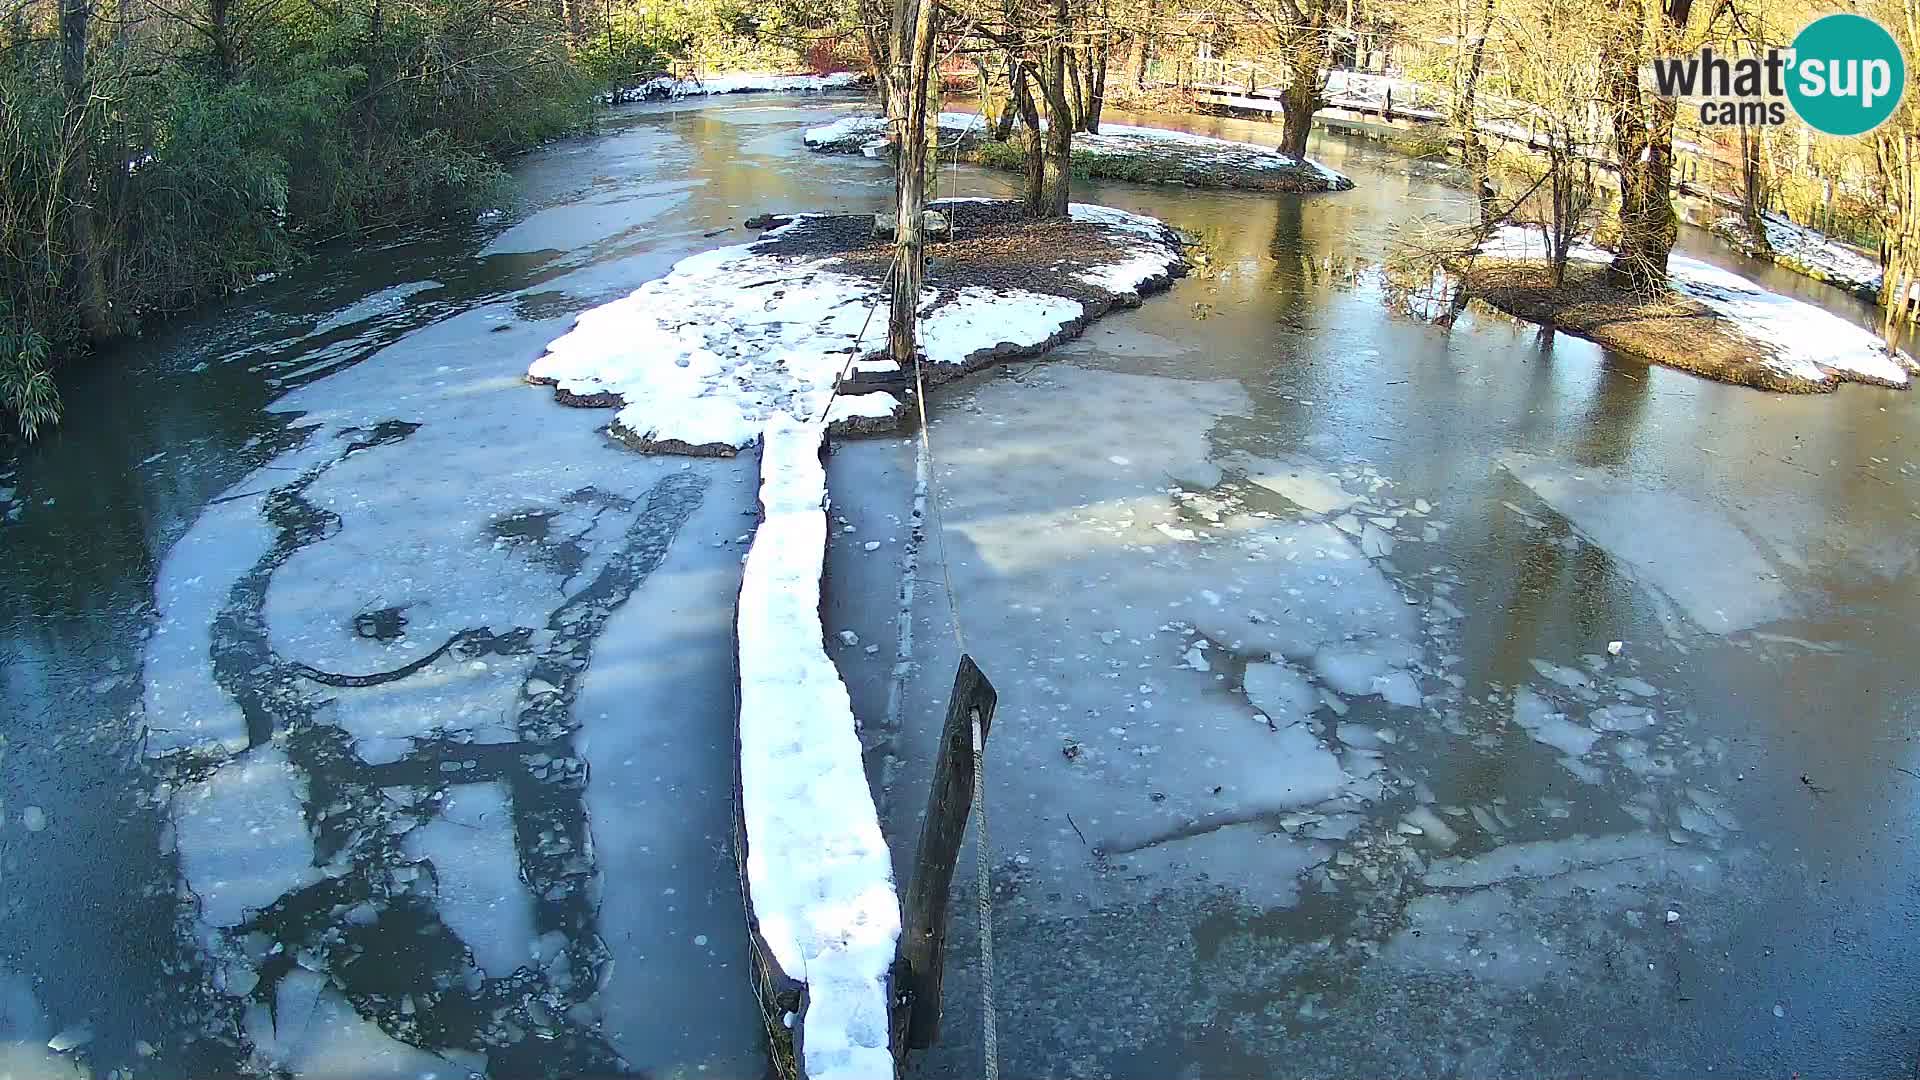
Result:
{"points": [[1299, 100], [1899, 162], [1003, 130], [1097, 77], [1753, 194], [916, 43], [1473, 148], [1643, 147], [91, 296], [220, 33], [1143, 49], [1076, 90], [1036, 189], [1059, 118]]}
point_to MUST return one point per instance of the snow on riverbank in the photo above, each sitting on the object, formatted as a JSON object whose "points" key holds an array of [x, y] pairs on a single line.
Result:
{"points": [[1807, 342], [700, 359], [1808, 252], [666, 87], [819, 877]]}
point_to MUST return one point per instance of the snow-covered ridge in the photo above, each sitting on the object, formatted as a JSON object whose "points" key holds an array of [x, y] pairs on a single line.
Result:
{"points": [[1808, 342], [700, 359], [1807, 251], [666, 87], [819, 877]]}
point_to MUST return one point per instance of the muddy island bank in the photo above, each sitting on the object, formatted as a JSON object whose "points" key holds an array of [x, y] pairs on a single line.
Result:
{"points": [[1708, 321]]}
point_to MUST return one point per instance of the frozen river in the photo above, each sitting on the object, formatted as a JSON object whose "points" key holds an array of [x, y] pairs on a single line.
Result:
{"points": [[371, 713]]}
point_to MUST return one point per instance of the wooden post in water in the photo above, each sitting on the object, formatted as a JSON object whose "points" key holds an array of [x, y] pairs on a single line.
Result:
{"points": [[923, 925]]}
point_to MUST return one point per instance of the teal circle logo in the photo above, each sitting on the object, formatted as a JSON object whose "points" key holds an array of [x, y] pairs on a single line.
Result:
{"points": [[1847, 75]]}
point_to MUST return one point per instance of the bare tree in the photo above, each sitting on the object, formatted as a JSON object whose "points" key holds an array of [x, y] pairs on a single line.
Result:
{"points": [[1299, 34]]}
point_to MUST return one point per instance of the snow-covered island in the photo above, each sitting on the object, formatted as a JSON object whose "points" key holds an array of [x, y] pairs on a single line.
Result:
{"points": [[1118, 152], [698, 360], [1710, 321]]}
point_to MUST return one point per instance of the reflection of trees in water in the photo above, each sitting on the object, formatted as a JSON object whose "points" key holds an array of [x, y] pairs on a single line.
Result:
{"points": [[1614, 412]]}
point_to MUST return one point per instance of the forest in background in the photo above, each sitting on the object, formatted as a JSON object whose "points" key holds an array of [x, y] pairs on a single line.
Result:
{"points": [[157, 153]]}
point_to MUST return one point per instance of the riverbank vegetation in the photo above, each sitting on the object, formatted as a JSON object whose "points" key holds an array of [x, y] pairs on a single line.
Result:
{"points": [[158, 153]]}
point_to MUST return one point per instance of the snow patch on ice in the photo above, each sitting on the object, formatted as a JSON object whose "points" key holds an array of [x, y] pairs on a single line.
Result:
{"points": [[818, 870], [1299, 480]]}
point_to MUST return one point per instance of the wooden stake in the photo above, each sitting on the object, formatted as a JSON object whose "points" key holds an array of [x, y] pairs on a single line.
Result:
{"points": [[923, 931]]}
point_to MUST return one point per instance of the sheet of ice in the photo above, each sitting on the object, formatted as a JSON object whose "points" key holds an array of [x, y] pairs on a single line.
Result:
{"points": [[481, 896], [1549, 725], [818, 872], [242, 835], [1515, 915], [1363, 673], [185, 709], [657, 735], [1306, 586], [1281, 693], [1090, 583], [1259, 861], [315, 1034], [1808, 342], [1717, 575], [467, 700]]}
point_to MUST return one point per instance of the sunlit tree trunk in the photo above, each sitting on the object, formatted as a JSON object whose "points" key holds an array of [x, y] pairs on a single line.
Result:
{"points": [[1036, 180], [1059, 161], [1643, 143], [1753, 192], [913, 52]]}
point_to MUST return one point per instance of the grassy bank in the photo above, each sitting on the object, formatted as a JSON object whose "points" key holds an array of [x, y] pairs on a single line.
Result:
{"points": [[1191, 162]]}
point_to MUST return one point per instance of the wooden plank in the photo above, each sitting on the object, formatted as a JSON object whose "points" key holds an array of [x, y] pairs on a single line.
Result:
{"points": [[923, 930]]}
